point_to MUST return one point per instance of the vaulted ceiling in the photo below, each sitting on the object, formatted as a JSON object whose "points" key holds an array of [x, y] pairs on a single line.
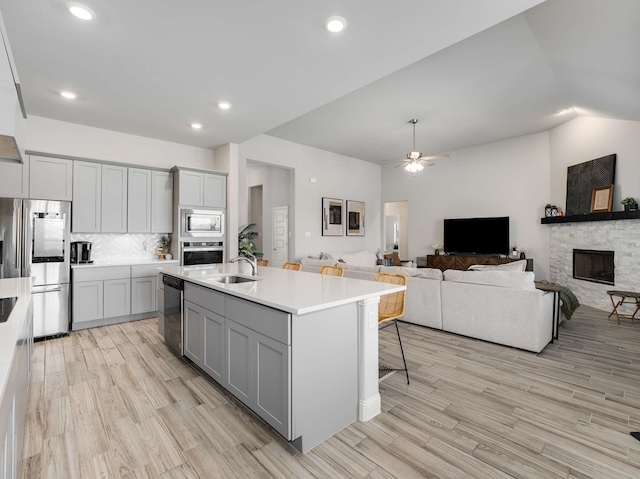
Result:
{"points": [[471, 72]]}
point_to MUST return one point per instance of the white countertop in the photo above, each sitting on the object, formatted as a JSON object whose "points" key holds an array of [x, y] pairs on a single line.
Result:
{"points": [[295, 292], [126, 262], [10, 330]]}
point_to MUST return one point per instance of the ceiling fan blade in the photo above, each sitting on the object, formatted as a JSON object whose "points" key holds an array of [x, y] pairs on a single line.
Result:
{"points": [[435, 157], [391, 161], [401, 164], [429, 163]]}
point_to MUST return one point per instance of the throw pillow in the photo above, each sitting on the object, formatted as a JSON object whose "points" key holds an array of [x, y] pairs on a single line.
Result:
{"points": [[513, 266], [394, 257]]}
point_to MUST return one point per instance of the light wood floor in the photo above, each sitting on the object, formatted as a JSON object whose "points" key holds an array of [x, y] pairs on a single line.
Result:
{"points": [[113, 402]]}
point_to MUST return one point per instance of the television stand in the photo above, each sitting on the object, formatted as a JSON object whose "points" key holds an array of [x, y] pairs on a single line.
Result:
{"points": [[462, 262]]}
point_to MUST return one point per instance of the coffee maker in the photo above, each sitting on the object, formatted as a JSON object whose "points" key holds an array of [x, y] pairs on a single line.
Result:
{"points": [[81, 252]]}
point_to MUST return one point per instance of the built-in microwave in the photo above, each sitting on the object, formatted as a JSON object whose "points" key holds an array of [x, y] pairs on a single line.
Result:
{"points": [[202, 223]]}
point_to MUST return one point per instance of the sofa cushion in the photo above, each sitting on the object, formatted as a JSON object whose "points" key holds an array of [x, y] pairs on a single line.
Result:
{"points": [[317, 262], [512, 266], [364, 269], [506, 279], [361, 258], [426, 273]]}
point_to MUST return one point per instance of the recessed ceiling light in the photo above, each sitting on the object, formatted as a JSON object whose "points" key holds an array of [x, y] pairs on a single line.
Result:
{"points": [[80, 11], [69, 95], [335, 24], [562, 111], [196, 126], [225, 105]]}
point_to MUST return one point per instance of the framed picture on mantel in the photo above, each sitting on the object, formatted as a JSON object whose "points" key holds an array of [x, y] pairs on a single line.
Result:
{"points": [[601, 199]]}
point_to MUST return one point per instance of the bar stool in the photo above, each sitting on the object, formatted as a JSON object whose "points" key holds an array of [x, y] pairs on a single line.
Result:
{"points": [[332, 270], [390, 308], [292, 266], [263, 262]]}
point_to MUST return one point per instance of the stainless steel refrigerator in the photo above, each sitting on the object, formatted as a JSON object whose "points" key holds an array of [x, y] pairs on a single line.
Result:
{"points": [[34, 241]]}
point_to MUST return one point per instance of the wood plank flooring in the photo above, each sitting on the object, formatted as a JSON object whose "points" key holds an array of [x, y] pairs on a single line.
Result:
{"points": [[113, 402]]}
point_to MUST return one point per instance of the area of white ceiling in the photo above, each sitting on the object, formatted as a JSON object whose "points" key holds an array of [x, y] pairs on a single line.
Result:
{"points": [[503, 82], [151, 68]]}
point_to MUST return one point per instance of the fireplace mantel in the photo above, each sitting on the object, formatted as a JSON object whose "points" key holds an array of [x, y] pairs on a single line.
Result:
{"points": [[613, 216]]}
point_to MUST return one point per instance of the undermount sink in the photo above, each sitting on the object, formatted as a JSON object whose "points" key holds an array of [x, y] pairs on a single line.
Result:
{"points": [[233, 279]]}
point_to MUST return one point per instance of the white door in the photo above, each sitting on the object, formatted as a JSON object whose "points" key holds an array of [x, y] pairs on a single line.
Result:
{"points": [[280, 236]]}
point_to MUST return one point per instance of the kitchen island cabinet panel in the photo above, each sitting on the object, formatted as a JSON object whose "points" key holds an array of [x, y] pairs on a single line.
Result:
{"points": [[88, 301], [161, 202], [117, 298], [272, 382], [114, 199], [213, 352], [50, 178], [211, 300], [239, 362], [87, 197], [265, 320], [193, 316], [143, 294], [139, 201]]}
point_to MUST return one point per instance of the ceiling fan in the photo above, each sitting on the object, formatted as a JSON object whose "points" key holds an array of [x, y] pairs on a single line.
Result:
{"points": [[415, 161]]}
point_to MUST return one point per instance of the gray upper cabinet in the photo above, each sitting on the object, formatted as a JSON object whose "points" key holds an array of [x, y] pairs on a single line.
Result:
{"points": [[161, 202], [199, 188], [14, 179], [87, 197], [114, 199], [215, 190], [191, 188], [50, 178], [139, 201]]}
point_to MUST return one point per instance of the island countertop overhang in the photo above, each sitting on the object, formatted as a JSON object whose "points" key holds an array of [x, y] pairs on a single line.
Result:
{"points": [[295, 292]]}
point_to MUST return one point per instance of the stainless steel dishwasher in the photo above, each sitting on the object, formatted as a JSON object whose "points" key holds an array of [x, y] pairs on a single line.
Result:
{"points": [[173, 288]]}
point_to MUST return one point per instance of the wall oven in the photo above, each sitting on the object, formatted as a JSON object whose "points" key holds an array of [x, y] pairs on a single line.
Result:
{"points": [[201, 252], [201, 223]]}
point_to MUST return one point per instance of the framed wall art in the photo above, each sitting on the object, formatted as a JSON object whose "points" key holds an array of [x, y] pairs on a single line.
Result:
{"points": [[355, 218], [332, 217], [601, 199], [583, 178]]}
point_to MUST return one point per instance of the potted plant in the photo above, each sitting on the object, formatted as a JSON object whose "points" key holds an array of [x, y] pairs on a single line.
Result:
{"points": [[163, 246], [245, 243], [630, 204]]}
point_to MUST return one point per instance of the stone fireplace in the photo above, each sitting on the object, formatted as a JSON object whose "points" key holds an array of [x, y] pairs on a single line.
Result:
{"points": [[596, 266], [620, 237]]}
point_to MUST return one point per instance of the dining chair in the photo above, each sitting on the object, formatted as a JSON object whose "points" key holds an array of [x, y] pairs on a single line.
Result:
{"points": [[332, 270], [390, 308], [292, 266]]}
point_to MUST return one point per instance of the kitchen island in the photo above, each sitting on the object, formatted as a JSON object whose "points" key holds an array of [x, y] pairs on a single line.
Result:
{"points": [[299, 349]]}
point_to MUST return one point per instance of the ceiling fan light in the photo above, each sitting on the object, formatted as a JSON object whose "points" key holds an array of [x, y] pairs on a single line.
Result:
{"points": [[413, 167], [414, 155]]}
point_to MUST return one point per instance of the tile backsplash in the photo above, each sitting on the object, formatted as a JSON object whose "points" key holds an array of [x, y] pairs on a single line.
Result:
{"points": [[118, 247]]}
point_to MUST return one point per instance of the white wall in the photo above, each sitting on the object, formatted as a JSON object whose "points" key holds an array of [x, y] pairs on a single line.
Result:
{"points": [[337, 176], [226, 159], [276, 183], [587, 138], [70, 139], [505, 178]]}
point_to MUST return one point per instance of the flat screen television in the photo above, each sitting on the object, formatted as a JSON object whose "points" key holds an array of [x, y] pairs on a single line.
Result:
{"points": [[482, 236]]}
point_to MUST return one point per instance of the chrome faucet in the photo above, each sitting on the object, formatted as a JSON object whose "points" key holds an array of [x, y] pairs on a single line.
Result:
{"points": [[249, 258]]}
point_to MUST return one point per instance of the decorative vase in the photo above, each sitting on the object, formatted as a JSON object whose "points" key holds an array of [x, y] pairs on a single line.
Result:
{"points": [[437, 252], [633, 207], [522, 255]]}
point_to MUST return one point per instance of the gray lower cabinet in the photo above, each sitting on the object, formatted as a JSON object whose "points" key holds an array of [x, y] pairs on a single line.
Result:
{"points": [[117, 298], [143, 295], [88, 301], [193, 323], [239, 361], [204, 339]]}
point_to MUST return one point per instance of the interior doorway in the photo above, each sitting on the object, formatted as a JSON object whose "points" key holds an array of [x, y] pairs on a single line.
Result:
{"points": [[255, 215], [280, 236], [396, 228]]}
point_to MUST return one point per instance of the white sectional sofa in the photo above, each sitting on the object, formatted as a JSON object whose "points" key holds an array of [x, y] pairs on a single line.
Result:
{"points": [[503, 307]]}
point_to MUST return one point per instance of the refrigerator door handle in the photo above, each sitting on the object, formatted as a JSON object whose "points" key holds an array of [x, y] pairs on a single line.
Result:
{"points": [[16, 218], [45, 289]]}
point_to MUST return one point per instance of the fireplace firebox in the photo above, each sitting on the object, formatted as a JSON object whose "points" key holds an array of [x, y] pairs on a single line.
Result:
{"points": [[593, 265]]}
